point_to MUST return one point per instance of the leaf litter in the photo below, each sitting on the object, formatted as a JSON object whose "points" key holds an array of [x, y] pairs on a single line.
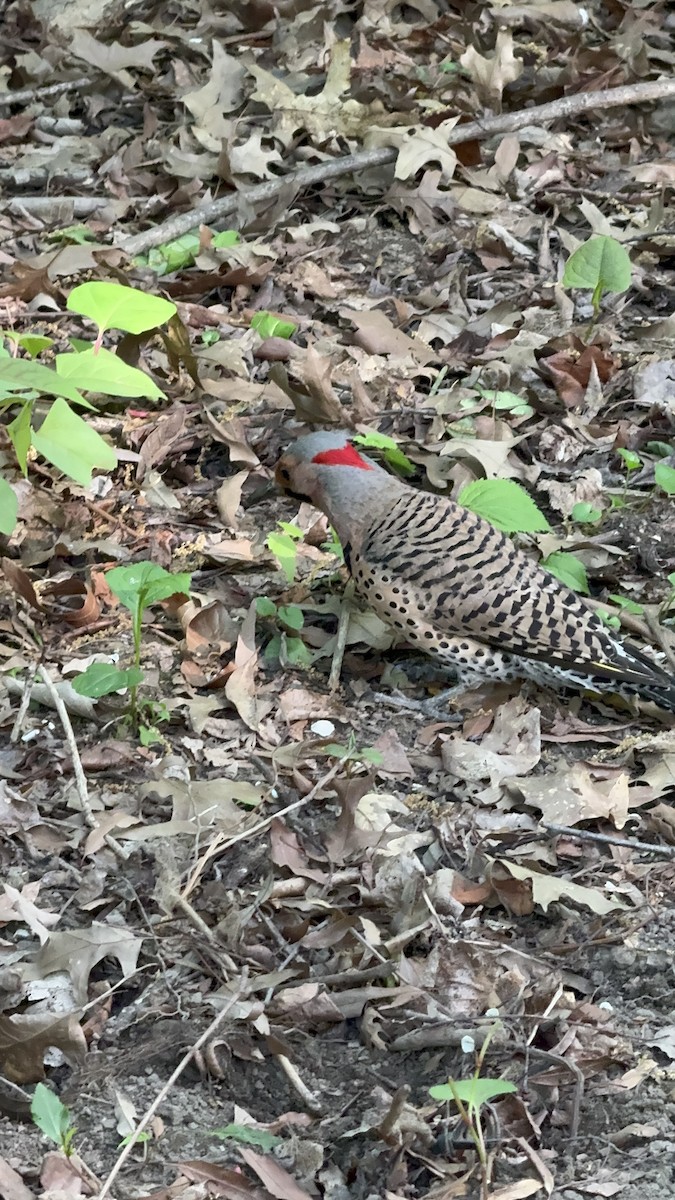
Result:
{"points": [[450, 882]]}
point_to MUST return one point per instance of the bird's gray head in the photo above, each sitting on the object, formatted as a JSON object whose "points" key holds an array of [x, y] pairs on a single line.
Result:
{"points": [[330, 472]]}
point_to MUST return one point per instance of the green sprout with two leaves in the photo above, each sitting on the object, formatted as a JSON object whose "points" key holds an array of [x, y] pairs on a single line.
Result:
{"points": [[471, 1098], [600, 265], [137, 587]]}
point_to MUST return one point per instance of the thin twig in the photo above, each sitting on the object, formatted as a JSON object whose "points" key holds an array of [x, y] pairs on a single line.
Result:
{"points": [[78, 770], [163, 1093], [608, 839], [220, 843], [213, 211], [309, 1099], [28, 95], [23, 709], [341, 636]]}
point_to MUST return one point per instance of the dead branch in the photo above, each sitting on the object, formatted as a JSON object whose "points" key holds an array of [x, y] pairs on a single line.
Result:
{"points": [[213, 211]]}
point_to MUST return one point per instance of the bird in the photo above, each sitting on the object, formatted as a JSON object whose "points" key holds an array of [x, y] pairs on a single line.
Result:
{"points": [[449, 583]]}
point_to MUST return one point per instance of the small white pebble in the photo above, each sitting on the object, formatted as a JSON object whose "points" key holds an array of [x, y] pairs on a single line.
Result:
{"points": [[323, 728]]}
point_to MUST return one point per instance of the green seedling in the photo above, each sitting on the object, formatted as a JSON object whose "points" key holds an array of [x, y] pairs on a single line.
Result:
{"points": [[137, 587], [600, 265], [64, 438], [664, 477], [585, 513], [267, 325], [334, 546], [182, 252], [609, 619], [284, 548], [285, 646], [471, 1097], [248, 1135], [393, 454], [53, 1119], [627, 605], [75, 235], [660, 449], [505, 402], [632, 462], [349, 752]]}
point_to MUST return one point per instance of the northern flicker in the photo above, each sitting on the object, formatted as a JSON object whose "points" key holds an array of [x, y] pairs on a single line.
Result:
{"points": [[451, 584]]}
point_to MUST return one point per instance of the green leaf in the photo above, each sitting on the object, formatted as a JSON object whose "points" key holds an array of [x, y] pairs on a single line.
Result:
{"points": [[51, 1116], [19, 374], [77, 235], [291, 616], [9, 507], [149, 736], [296, 652], [475, 1092], [102, 371], [664, 477], [607, 619], [227, 237], [265, 607], [371, 755], [269, 326], [392, 451], [101, 679], [65, 440], [505, 505], [285, 551], [601, 262], [291, 529], [628, 605], [585, 514], [248, 1135], [631, 460], [33, 343], [113, 306], [509, 401], [568, 569], [20, 432], [273, 649], [144, 583]]}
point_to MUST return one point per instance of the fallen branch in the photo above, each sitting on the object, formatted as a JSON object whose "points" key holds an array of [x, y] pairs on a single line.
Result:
{"points": [[607, 839], [213, 211]]}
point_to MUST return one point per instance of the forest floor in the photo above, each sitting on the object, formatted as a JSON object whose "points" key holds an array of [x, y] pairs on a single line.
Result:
{"points": [[320, 905]]}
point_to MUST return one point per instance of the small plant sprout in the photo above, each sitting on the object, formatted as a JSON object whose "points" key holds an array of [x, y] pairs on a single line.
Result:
{"points": [[393, 454], [632, 462], [600, 265], [283, 547], [334, 545], [267, 325], [664, 478], [471, 1097], [349, 752], [585, 513], [53, 1118], [137, 587], [285, 645]]}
